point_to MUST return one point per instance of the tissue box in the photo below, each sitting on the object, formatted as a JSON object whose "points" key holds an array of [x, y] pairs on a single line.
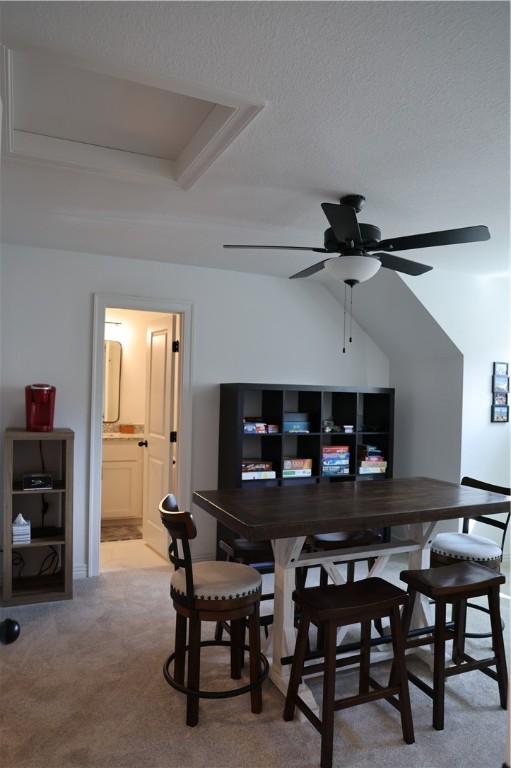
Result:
{"points": [[21, 531]]}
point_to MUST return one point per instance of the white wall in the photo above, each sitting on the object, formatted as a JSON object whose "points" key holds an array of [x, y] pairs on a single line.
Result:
{"points": [[132, 335], [475, 311], [426, 369], [246, 328]]}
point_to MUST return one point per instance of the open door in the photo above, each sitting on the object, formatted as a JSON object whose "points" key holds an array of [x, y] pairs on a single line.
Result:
{"points": [[160, 461]]}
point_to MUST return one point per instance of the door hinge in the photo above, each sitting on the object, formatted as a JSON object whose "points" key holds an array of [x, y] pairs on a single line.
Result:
{"points": [[173, 437], [175, 346]]}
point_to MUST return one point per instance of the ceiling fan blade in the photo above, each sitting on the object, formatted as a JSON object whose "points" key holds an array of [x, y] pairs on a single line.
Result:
{"points": [[310, 270], [431, 239], [343, 220], [389, 261], [279, 248]]}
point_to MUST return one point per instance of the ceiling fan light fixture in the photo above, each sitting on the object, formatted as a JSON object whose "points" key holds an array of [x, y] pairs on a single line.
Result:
{"points": [[353, 269]]}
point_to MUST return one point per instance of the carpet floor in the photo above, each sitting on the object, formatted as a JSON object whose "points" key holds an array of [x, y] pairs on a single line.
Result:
{"points": [[83, 688]]}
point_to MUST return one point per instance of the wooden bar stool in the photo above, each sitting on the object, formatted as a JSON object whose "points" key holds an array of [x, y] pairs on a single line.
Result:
{"points": [[455, 584], [448, 548], [210, 591], [325, 542], [256, 554], [334, 606]]}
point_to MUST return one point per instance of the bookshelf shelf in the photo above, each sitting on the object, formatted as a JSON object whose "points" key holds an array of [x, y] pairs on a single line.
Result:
{"points": [[18, 490], [371, 407]]}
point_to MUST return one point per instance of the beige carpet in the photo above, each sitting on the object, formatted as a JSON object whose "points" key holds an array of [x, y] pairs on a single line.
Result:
{"points": [[83, 688]]}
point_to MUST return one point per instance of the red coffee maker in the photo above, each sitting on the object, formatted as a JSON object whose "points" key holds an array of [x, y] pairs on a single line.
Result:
{"points": [[40, 407]]}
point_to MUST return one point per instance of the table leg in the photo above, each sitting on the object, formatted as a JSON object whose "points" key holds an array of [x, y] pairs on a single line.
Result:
{"points": [[422, 533], [286, 552], [423, 613], [284, 635]]}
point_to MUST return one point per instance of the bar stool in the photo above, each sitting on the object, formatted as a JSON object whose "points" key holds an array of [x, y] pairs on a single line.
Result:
{"points": [[334, 606], [449, 548], [455, 584], [210, 591], [256, 554], [325, 542]]}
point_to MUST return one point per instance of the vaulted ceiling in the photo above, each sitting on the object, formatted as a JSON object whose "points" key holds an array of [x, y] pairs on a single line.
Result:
{"points": [[404, 102]]}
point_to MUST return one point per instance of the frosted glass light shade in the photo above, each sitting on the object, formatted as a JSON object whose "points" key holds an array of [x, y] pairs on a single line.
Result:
{"points": [[357, 268]]}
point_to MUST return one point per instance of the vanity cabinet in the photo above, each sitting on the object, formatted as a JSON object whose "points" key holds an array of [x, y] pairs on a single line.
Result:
{"points": [[121, 479]]}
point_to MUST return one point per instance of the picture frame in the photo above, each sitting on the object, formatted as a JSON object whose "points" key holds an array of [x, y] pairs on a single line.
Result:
{"points": [[500, 369], [499, 414], [499, 398], [500, 383]]}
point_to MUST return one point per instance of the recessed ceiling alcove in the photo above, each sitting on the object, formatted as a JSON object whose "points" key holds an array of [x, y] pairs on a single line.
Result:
{"points": [[74, 115]]}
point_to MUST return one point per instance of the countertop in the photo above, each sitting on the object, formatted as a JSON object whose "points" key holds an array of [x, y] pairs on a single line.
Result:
{"points": [[123, 436]]}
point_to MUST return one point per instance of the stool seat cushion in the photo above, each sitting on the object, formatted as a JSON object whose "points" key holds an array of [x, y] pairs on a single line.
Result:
{"points": [[341, 600], [466, 546], [458, 579], [344, 539], [217, 580]]}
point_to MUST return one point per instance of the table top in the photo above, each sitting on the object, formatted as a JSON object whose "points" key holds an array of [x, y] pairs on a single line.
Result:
{"points": [[282, 512]]}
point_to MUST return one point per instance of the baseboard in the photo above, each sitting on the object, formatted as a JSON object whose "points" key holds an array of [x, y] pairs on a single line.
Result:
{"points": [[80, 571]]}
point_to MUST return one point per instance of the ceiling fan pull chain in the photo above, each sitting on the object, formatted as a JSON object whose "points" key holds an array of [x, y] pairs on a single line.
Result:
{"points": [[351, 312], [344, 326]]}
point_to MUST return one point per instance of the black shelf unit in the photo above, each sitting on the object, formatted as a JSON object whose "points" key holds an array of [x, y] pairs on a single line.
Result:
{"points": [[369, 409]]}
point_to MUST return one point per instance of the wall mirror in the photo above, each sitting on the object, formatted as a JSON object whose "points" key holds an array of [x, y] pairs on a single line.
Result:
{"points": [[112, 381]]}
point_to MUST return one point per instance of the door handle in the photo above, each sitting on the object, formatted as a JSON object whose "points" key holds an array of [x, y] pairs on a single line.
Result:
{"points": [[142, 443]]}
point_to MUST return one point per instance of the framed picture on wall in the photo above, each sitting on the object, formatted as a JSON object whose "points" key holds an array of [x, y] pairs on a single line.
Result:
{"points": [[499, 398], [500, 369], [499, 413], [500, 383]]}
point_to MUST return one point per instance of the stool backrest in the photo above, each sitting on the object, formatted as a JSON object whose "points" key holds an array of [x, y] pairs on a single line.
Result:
{"points": [[181, 528], [487, 520]]}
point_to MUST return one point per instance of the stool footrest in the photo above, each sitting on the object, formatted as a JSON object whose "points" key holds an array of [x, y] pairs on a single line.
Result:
{"points": [[364, 698], [469, 665], [391, 699], [313, 669], [263, 674], [424, 687], [309, 714]]}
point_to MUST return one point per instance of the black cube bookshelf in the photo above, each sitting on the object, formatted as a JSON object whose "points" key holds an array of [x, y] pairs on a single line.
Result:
{"points": [[370, 410]]}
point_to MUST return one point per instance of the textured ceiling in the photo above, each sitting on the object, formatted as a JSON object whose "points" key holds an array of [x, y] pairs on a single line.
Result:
{"points": [[404, 102]]}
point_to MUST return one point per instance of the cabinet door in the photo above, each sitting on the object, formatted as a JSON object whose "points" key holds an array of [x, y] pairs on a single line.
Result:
{"points": [[121, 490]]}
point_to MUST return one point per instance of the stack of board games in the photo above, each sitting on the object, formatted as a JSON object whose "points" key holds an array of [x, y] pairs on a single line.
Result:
{"points": [[254, 469], [335, 460], [297, 468], [296, 422], [371, 460]]}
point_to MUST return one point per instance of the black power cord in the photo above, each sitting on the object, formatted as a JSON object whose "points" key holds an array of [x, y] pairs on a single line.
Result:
{"points": [[44, 504], [50, 563], [18, 561]]}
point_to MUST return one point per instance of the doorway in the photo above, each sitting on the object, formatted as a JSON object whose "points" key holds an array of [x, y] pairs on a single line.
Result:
{"points": [[138, 450]]}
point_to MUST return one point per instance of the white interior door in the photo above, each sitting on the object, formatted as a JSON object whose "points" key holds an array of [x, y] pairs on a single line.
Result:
{"points": [[160, 414]]}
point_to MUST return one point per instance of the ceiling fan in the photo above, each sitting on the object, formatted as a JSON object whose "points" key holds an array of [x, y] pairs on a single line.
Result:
{"points": [[359, 250]]}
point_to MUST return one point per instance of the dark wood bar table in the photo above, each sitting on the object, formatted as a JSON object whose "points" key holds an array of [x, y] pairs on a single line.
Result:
{"points": [[287, 515]]}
